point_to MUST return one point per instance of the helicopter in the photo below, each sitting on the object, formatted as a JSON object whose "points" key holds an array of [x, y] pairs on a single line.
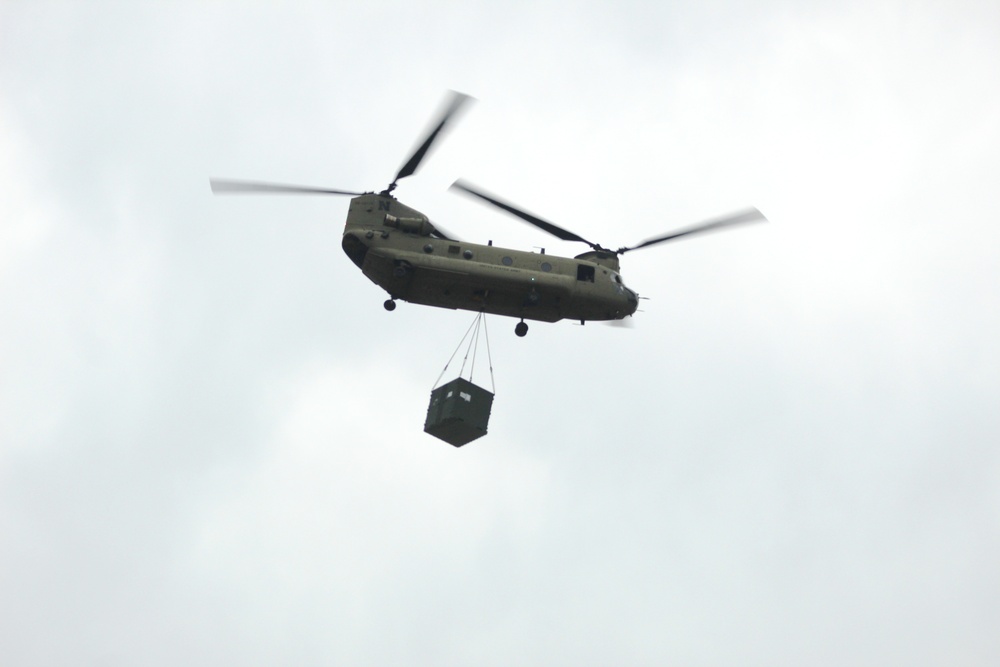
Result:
{"points": [[401, 251]]}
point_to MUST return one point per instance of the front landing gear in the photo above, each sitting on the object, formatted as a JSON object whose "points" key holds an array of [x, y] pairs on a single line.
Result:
{"points": [[390, 305], [521, 329]]}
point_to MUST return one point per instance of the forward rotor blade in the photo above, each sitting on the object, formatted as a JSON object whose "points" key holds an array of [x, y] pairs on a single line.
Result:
{"points": [[443, 234], [743, 217], [457, 100], [545, 225], [223, 186], [624, 323]]}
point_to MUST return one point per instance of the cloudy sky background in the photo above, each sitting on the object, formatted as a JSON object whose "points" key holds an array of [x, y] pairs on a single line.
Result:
{"points": [[211, 446]]}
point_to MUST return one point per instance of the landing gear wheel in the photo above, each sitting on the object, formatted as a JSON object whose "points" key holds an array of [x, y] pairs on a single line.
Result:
{"points": [[390, 305], [521, 329]]}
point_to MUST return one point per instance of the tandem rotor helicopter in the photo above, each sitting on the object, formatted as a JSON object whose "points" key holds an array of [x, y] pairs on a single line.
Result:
{"points": [[401, 251]]}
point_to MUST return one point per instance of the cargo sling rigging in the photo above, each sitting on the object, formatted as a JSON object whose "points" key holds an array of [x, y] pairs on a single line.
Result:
{"points": [[472, 334]]}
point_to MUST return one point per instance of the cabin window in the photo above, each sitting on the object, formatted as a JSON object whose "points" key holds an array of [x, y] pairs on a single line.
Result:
{"points": [[546, 267], [585, 273], [453, 249], [507, 261]]}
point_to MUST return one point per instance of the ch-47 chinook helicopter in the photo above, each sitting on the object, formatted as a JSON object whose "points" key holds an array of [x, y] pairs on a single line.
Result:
{"points": [[400, 250]]}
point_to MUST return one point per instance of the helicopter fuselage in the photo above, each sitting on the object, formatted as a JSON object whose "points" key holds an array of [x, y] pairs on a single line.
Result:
{"points": [[398, 249]]}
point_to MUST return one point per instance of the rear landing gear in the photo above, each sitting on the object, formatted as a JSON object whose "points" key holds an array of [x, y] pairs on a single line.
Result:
{"points": [[521, 329], [390, 305]]}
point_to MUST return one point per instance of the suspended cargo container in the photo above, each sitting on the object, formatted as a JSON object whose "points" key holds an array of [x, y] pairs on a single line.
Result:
{"points": [[459, 412]]}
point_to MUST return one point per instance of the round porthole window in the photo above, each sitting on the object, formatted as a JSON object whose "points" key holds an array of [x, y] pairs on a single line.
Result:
{"points": [[507, 261], [546, 267], [467, 254], [428, 248]]}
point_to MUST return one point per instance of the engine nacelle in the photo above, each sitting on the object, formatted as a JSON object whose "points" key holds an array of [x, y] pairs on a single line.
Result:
{"points": [[420, 226]]}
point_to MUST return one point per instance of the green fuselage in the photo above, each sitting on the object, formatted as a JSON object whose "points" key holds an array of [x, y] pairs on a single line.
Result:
{"points": [[395, 247]]}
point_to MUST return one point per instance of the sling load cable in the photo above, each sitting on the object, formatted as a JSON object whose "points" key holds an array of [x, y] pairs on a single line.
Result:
{"points": [[473, 348]]}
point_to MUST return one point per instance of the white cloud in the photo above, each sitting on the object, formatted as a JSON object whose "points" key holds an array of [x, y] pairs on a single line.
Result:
{"points": [[211, 431]]}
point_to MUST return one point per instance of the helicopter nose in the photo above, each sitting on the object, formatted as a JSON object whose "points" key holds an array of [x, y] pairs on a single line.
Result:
{"points": [[633, 301]]}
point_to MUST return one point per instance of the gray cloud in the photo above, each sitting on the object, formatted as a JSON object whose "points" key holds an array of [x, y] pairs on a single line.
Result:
{"points": [[210, 431]]}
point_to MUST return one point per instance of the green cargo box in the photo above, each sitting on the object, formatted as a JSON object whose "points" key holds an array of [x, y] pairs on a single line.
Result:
{"points": [[459, 412]]}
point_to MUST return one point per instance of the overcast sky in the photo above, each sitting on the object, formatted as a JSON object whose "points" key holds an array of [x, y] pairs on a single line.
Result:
{"points": [[211, 445]]}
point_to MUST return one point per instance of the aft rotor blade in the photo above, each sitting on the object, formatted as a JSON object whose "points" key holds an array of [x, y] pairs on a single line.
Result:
{"points": [[456, 102], [545, 225], [223, 186], [743, 217]]}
